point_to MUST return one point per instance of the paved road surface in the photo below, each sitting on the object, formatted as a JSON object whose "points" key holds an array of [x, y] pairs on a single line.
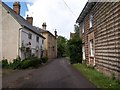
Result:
{"points": [[56, 74]]}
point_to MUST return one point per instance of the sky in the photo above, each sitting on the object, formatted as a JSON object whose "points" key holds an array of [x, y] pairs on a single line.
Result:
{"points": [[58, 14]]}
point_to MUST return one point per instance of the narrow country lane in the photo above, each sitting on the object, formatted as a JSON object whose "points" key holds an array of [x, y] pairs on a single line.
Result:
{"points": [[56, 74]]}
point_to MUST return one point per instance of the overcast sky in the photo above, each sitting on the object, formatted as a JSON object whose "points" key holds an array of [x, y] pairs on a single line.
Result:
{"points": [[56, 14]]}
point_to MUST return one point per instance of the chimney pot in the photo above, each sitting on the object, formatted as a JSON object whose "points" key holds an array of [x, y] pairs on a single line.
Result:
{"points": [[44, 26], [55, 33]]}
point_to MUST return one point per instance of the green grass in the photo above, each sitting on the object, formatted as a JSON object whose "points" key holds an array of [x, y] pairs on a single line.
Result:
{"points": [[97, 78]]}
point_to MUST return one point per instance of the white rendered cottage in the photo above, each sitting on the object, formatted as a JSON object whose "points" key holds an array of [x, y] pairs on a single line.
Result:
{"points": [[19, 37]]}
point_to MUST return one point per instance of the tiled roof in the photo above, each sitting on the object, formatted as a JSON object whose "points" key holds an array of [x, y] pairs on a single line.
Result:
{"points": [[24, 23], [43, 31]]}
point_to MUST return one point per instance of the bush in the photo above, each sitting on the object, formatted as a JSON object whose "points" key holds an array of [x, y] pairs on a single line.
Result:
{"points": [[5, 63], [26, 64], [31, 62], [44, 59], [35, 63], [16, 64]]}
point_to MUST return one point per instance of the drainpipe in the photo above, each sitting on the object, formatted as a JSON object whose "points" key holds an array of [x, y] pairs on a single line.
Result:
{"points": [[19, 37]]}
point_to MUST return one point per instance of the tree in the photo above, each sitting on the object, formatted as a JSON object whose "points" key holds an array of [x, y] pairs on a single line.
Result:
{"points": [[74, 47], [61, 46]]}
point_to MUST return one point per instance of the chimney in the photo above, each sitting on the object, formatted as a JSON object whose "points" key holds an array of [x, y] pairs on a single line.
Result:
{"points": [[16, 7], [55, 33], [29, 19], [44, 26]]}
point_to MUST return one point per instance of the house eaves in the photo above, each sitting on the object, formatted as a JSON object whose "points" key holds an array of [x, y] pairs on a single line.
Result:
{"points": [[85, 11]]}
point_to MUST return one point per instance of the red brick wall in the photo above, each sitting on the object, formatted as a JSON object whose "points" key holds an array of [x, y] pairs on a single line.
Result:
{"points": [[107, 37]]}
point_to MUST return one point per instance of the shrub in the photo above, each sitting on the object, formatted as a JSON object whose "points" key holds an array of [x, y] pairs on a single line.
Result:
{"points": [[31, 62], [25, 64], [5, 63], [16, 64], [35, 63], [44, 59]]}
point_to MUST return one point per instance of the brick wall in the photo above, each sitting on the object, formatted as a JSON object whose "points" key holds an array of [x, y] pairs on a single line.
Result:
{"points": [[106, 35], [106, 24]]}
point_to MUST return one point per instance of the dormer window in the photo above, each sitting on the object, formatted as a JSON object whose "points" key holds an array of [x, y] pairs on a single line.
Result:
{"points": [[83, 27], [91, 19]]}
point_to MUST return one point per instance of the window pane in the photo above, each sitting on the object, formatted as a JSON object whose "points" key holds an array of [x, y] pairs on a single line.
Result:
{"points": [[91, 18], [91, 48], [37, 38], [30, 36]]}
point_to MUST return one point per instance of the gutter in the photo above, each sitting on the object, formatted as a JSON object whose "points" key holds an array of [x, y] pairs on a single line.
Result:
{"points": [[85, 11]]}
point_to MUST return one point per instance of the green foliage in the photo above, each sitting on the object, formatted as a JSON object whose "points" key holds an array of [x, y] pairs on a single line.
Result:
{"points": [[24, 64], [44, 59], [31, 62], [5, 63], [75, 50], [16, 64], [35, 63], [61, 46], [97, 78], [76, 27]]}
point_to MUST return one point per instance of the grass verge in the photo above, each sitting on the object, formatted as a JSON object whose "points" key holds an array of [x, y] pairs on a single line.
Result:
{"points": [[97, 78]]}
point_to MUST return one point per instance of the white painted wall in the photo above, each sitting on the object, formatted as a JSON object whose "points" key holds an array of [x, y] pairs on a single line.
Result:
{"points": [[0, 44], [10, 36], [34, 44]]}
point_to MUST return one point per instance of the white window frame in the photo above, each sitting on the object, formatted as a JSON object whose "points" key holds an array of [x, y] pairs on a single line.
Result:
{"points": [[83, 50], [83, 27], [91, 19], [91, 48]]}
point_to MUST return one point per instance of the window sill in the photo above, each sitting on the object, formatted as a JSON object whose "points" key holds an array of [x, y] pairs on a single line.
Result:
{"points": [[91, 56]]}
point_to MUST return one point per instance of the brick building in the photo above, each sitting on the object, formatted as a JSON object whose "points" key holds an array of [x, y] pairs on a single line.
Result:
{"points": [[99, 26]]}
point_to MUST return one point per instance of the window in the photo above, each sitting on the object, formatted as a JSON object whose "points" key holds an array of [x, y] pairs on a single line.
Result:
{"points": [[37, 38], [42, 41], [91, 48], [82, 27], [53, 48], [91, 18], [30, 36], [83, 50]]}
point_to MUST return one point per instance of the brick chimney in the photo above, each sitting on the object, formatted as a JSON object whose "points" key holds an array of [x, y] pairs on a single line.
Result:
{"points": [[16, 7], [44, 26], [29, 19]]}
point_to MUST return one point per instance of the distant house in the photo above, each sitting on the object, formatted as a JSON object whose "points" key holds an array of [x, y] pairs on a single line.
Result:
{"points": [[100, 32], [19, 37], [50, 49]]}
